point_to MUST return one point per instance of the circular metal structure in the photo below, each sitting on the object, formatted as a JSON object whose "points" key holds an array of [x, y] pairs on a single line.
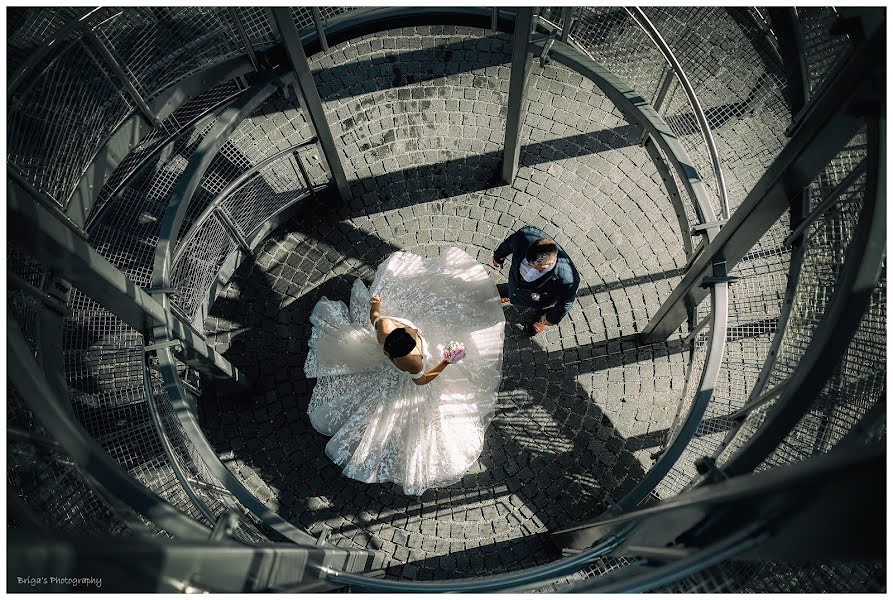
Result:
{"points": [[196, 178]]}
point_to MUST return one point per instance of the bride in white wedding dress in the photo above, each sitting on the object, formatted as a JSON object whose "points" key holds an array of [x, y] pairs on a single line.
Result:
{"points": [[395, 410]]}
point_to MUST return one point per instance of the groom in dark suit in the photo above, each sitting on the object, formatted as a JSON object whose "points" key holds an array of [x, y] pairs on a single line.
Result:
{"points": [[542, 275]]}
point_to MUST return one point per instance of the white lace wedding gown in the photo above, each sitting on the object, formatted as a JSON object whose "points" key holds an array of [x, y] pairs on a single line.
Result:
{"points": [[383, 426]]}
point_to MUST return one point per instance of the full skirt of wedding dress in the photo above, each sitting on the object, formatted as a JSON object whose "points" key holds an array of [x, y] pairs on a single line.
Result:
{"points": [[384, 427]]}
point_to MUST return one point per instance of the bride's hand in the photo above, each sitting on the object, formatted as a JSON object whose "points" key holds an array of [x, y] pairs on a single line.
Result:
{"points": [[375, 301]]}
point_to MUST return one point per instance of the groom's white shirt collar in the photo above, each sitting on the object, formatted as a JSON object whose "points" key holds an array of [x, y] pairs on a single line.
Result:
{"points": [[530, 274]]}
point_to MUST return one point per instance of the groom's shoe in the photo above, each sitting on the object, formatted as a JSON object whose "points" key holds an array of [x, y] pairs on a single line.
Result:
{"points": [[536, 327]]}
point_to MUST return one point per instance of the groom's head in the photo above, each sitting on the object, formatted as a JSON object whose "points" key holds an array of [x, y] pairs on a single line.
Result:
{"points": [[541, 254]]}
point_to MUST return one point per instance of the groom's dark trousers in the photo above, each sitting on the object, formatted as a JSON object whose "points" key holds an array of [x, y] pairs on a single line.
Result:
{"points": [[553, 293]]}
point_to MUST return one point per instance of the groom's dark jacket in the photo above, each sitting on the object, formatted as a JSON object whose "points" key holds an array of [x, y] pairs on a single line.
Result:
{"points": [[557, 288]]}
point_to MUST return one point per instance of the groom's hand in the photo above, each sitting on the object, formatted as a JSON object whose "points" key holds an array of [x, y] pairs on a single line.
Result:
{"points": [[497, 263]]}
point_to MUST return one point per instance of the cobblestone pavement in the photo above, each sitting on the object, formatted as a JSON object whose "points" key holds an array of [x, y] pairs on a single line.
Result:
{"points": [[420, 116]]}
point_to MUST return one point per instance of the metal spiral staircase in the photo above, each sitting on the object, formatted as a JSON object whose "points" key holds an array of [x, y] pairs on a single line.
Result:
{"points": [[152, 150]]}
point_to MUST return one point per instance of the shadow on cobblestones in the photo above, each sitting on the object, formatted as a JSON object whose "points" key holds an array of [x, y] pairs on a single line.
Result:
{"points": [[389, 70], [423, 161], [551, 455]]}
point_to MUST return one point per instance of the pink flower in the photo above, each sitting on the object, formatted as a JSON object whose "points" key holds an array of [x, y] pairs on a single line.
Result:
{"points": [[454, 352]]}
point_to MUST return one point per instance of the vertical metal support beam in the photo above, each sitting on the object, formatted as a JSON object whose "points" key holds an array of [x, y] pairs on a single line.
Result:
{"points": [[567, 21], [309, 97], [50, 335], [517, 93], [666, 81], [793, 58], [240, 27], [494, 18], [319, 22], [665, 84], [830, 120], [115, 66]]}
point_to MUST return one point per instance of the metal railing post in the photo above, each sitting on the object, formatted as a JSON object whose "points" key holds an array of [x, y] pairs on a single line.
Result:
{"points": [[304, 174], [567, 21], [517, 93], [309, 96], [116, 67], [231, 229], [320, 28], [666, 81], [240, 27]]}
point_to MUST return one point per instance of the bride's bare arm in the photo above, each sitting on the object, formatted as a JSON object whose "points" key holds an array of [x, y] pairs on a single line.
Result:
{"points": [[431, 374], [374, 308], [384, 326]]}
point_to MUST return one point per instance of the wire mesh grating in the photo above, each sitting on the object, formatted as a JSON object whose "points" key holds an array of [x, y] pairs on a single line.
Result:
{"points": [[29, 29], [257, 26], [61, 119], [855, 386], [826, 244], [822, 49], [775, 577], [179, 123], [158, 46]]}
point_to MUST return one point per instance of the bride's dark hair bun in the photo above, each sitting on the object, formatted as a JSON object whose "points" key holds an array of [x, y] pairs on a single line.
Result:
{"points": [[399, 343]]}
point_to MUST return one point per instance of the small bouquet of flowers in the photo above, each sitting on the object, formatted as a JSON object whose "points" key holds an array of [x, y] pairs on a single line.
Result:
{"points": [[454, 352]]}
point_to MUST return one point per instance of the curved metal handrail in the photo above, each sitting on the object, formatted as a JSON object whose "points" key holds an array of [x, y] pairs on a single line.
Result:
{"points": [[709, 375], [228, 191], [84, 450], [493, 583], [168, 447], [639, 17], [189, 181], [194, 431]]}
